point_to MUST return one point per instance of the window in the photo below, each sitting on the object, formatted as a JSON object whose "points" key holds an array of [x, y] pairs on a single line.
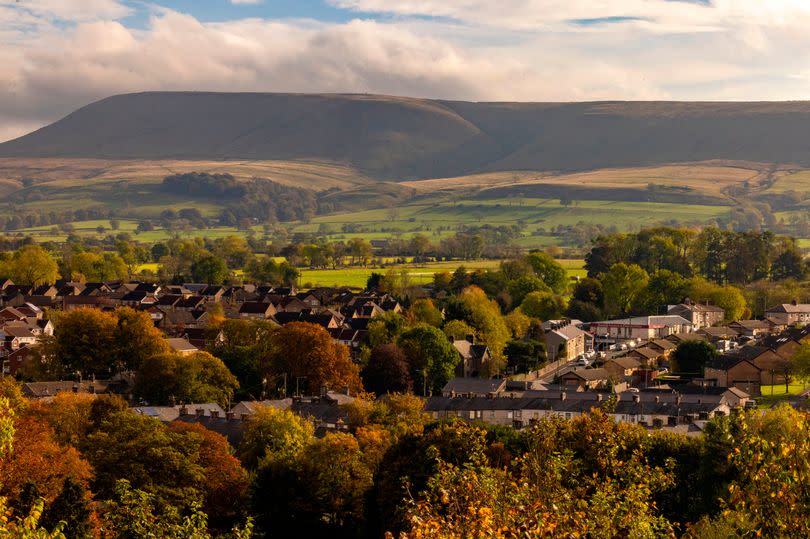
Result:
{"points": [[509, 415], [472, 414]]}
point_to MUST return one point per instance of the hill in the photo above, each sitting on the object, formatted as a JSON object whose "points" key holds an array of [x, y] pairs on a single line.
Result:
{"points": [[394, 138]]}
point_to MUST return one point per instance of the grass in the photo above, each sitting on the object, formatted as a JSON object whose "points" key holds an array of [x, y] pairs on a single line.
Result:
{"points": [[419, 274], [776, 393]]}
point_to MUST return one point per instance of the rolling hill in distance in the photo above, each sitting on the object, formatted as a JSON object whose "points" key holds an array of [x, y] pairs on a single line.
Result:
{"points": [[395, 138], [443, 163]]}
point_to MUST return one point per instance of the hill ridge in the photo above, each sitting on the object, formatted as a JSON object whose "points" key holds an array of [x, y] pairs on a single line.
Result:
{"points": [[405, 138]]}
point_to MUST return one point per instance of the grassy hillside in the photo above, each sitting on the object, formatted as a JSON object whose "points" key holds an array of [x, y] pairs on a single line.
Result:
{"points": [[395, 138]]}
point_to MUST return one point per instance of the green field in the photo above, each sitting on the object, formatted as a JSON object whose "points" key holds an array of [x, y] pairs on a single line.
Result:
{"points": [[419, 274], [537, 218]]}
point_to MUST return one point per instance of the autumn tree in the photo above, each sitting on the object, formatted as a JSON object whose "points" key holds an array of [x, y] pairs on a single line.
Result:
{"points": [[171, 377], [274, 434], [387, 370], [31, 264], [37, 458], [226, 481], [485, 316], [423, 311], [136, 338], [307, 352]]}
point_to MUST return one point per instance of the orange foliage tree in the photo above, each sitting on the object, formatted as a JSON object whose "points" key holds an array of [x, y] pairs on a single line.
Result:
{"points": [[307, 351], [38, 459]]}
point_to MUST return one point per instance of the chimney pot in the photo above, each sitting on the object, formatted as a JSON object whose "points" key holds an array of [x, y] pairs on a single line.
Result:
{"points": [[200, 412], [215, 414]]}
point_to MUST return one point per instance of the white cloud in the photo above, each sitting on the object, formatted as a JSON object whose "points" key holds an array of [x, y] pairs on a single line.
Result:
{"points": [[246, 2], [507, 50]]}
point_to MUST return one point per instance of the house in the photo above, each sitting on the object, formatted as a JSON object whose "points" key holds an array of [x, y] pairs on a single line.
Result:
{"points": [[244, 409], [790, 314], [137, 298], [784, 346], [476, 359], [190, 303], [17, 359], [720, 333], [751, 328], [737, 372], [15, 337], [646, 355], [350, 338], [662, 346], [203, 337], [621, 368], [643, 328], [167, 414], [182, 346], [701, 316], [47, 390], [473, 387], [585, 378], [564, 340], [256, 310]]}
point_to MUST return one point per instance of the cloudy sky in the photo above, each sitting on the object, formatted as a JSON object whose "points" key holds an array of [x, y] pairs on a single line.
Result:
{"points": [[57, 55]]}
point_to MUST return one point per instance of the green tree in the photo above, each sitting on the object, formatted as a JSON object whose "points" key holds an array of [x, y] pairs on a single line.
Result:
{"points": [[549, 271], [198, 377], [31, 264], [521, 287], [692, 355], [146, 453], [210, 270], [542, 305], [72, 508], [432, 359], [622, 284], [664, 288]]}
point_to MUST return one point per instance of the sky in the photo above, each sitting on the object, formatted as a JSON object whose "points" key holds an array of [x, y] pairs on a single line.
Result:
{"points": [[58, 55]]}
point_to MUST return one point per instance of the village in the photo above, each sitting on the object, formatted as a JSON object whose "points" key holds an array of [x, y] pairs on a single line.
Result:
{"points": [[621, 366]]}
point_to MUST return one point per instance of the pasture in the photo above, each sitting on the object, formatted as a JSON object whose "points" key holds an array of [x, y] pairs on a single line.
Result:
{"points": [[417, 273]]}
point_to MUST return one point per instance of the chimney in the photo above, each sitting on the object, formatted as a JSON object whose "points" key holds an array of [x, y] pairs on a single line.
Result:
{"points": [[183, 410], [636, 398], [563, 395], [794, 301], [214, 414], [229, 416], [200, 412], [471, 339], [346, 391], [451, 339]]}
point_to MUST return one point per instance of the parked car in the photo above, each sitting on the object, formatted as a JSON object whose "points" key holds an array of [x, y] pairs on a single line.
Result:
{"points": [[583, 361]]}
